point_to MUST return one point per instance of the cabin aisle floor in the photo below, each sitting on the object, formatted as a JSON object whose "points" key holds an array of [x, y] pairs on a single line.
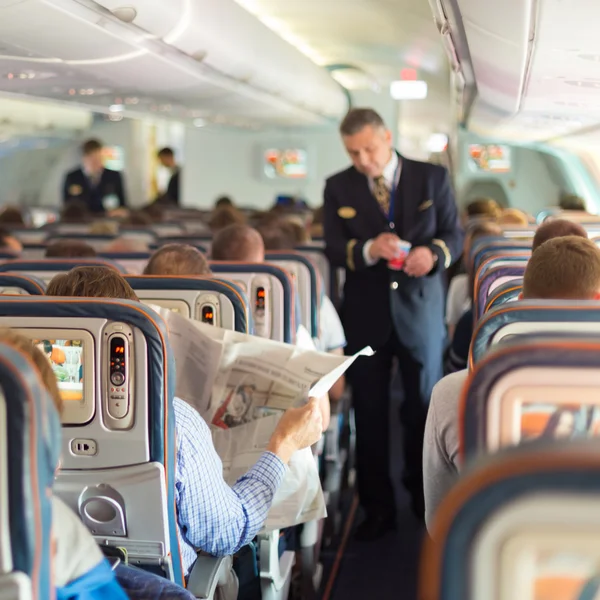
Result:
{"points": [[387, 568]]}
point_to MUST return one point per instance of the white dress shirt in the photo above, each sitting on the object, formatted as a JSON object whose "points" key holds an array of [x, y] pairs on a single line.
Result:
{"points": [[391, 176]]}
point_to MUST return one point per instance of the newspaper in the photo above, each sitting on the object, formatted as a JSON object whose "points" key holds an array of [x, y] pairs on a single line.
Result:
{"points": [[241, 385]]}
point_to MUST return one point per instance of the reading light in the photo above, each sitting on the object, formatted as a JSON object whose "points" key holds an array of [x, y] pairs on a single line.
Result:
{"points": [[115, 108], [408, 90]]}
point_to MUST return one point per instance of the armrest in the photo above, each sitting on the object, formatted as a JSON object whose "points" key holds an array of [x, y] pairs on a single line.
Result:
{"points": [[208, 573]]}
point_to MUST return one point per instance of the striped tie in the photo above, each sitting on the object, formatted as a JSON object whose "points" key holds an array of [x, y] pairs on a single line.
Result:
{"points": [[382, 194]]}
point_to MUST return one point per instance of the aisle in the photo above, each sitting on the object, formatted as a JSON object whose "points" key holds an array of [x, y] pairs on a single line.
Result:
{"points": [[387, 568]]}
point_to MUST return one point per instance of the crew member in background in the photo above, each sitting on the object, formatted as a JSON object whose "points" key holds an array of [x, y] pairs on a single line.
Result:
{"points": [[166, 156], [368, 209], [94, 186]]}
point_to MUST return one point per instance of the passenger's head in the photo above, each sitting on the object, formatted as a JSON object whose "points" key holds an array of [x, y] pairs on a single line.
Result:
{"points": [[104, 228], [91, 282], [126, 245], [75, 212], [566, 268], [277, 237], [238, 243], [91, 156], [39, 357], [137, 218], [483, 208], [155, 211], [177, 259], [224, 217], [572, 202], [367, 140], [70, 249], [12, 216], [554, 228], [513, 216], [166, 156], [223, 201], [9, 243]]}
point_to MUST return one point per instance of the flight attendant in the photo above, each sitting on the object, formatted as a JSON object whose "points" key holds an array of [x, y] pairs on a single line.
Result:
{"points": [[100, 189], [392, 223]]}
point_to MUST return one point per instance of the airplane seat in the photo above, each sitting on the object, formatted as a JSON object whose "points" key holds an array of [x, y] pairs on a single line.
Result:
{"points": [[29, 454], [30, 236], [33, 251], [486, 284], [519, 391], [500, 259], [46, 269], [97, 242], [213, 301], [130, 262], [140, 234], [522, 523], [316, 255], [17, 283], [508, 291], [305, 279], [558, 317], [118, 446], [272, 296], [506, 249]]}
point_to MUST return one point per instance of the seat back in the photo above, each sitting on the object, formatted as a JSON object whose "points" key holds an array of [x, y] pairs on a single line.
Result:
{"points": [[505, 292], [491, 280], [46, 269], [306, 283], [34, 251], [17, 283], [29, 452], [532, 388], [271, 293], [30, 236], [97, 242], [534, 316], [115, 372], [316, 253], [214, 301], [497, 249], [524, 524], [130, 262]]}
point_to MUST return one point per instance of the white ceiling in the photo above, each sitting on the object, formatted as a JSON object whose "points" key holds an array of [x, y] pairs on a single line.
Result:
{"points": [[378, 36], [177, 58]]}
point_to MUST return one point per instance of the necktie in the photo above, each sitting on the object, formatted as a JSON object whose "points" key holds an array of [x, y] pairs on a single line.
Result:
{"points": [[382, 194]]}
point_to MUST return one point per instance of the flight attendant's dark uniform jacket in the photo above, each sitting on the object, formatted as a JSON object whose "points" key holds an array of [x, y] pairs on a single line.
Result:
{"points": [[378, 300], [77, 186]]}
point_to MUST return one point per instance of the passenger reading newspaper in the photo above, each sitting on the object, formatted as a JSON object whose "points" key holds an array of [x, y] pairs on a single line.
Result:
{"points": [[242, 384]]}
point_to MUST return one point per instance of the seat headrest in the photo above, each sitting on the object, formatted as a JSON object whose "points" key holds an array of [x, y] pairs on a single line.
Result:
{"points": [[237, 296], [32, 434], [531, 311], [65, 264], [32, 285]]}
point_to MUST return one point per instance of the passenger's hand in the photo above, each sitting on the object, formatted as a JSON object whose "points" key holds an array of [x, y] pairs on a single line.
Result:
{"points": [[419, 262], [384, 246], [298, 428]]}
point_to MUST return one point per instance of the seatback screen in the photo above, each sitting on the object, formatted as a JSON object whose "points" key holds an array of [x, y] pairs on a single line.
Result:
{"points": [[66, 359]]}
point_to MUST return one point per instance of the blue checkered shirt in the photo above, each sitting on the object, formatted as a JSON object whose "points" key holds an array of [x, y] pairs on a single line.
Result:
{"points": [[213, 516]]}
